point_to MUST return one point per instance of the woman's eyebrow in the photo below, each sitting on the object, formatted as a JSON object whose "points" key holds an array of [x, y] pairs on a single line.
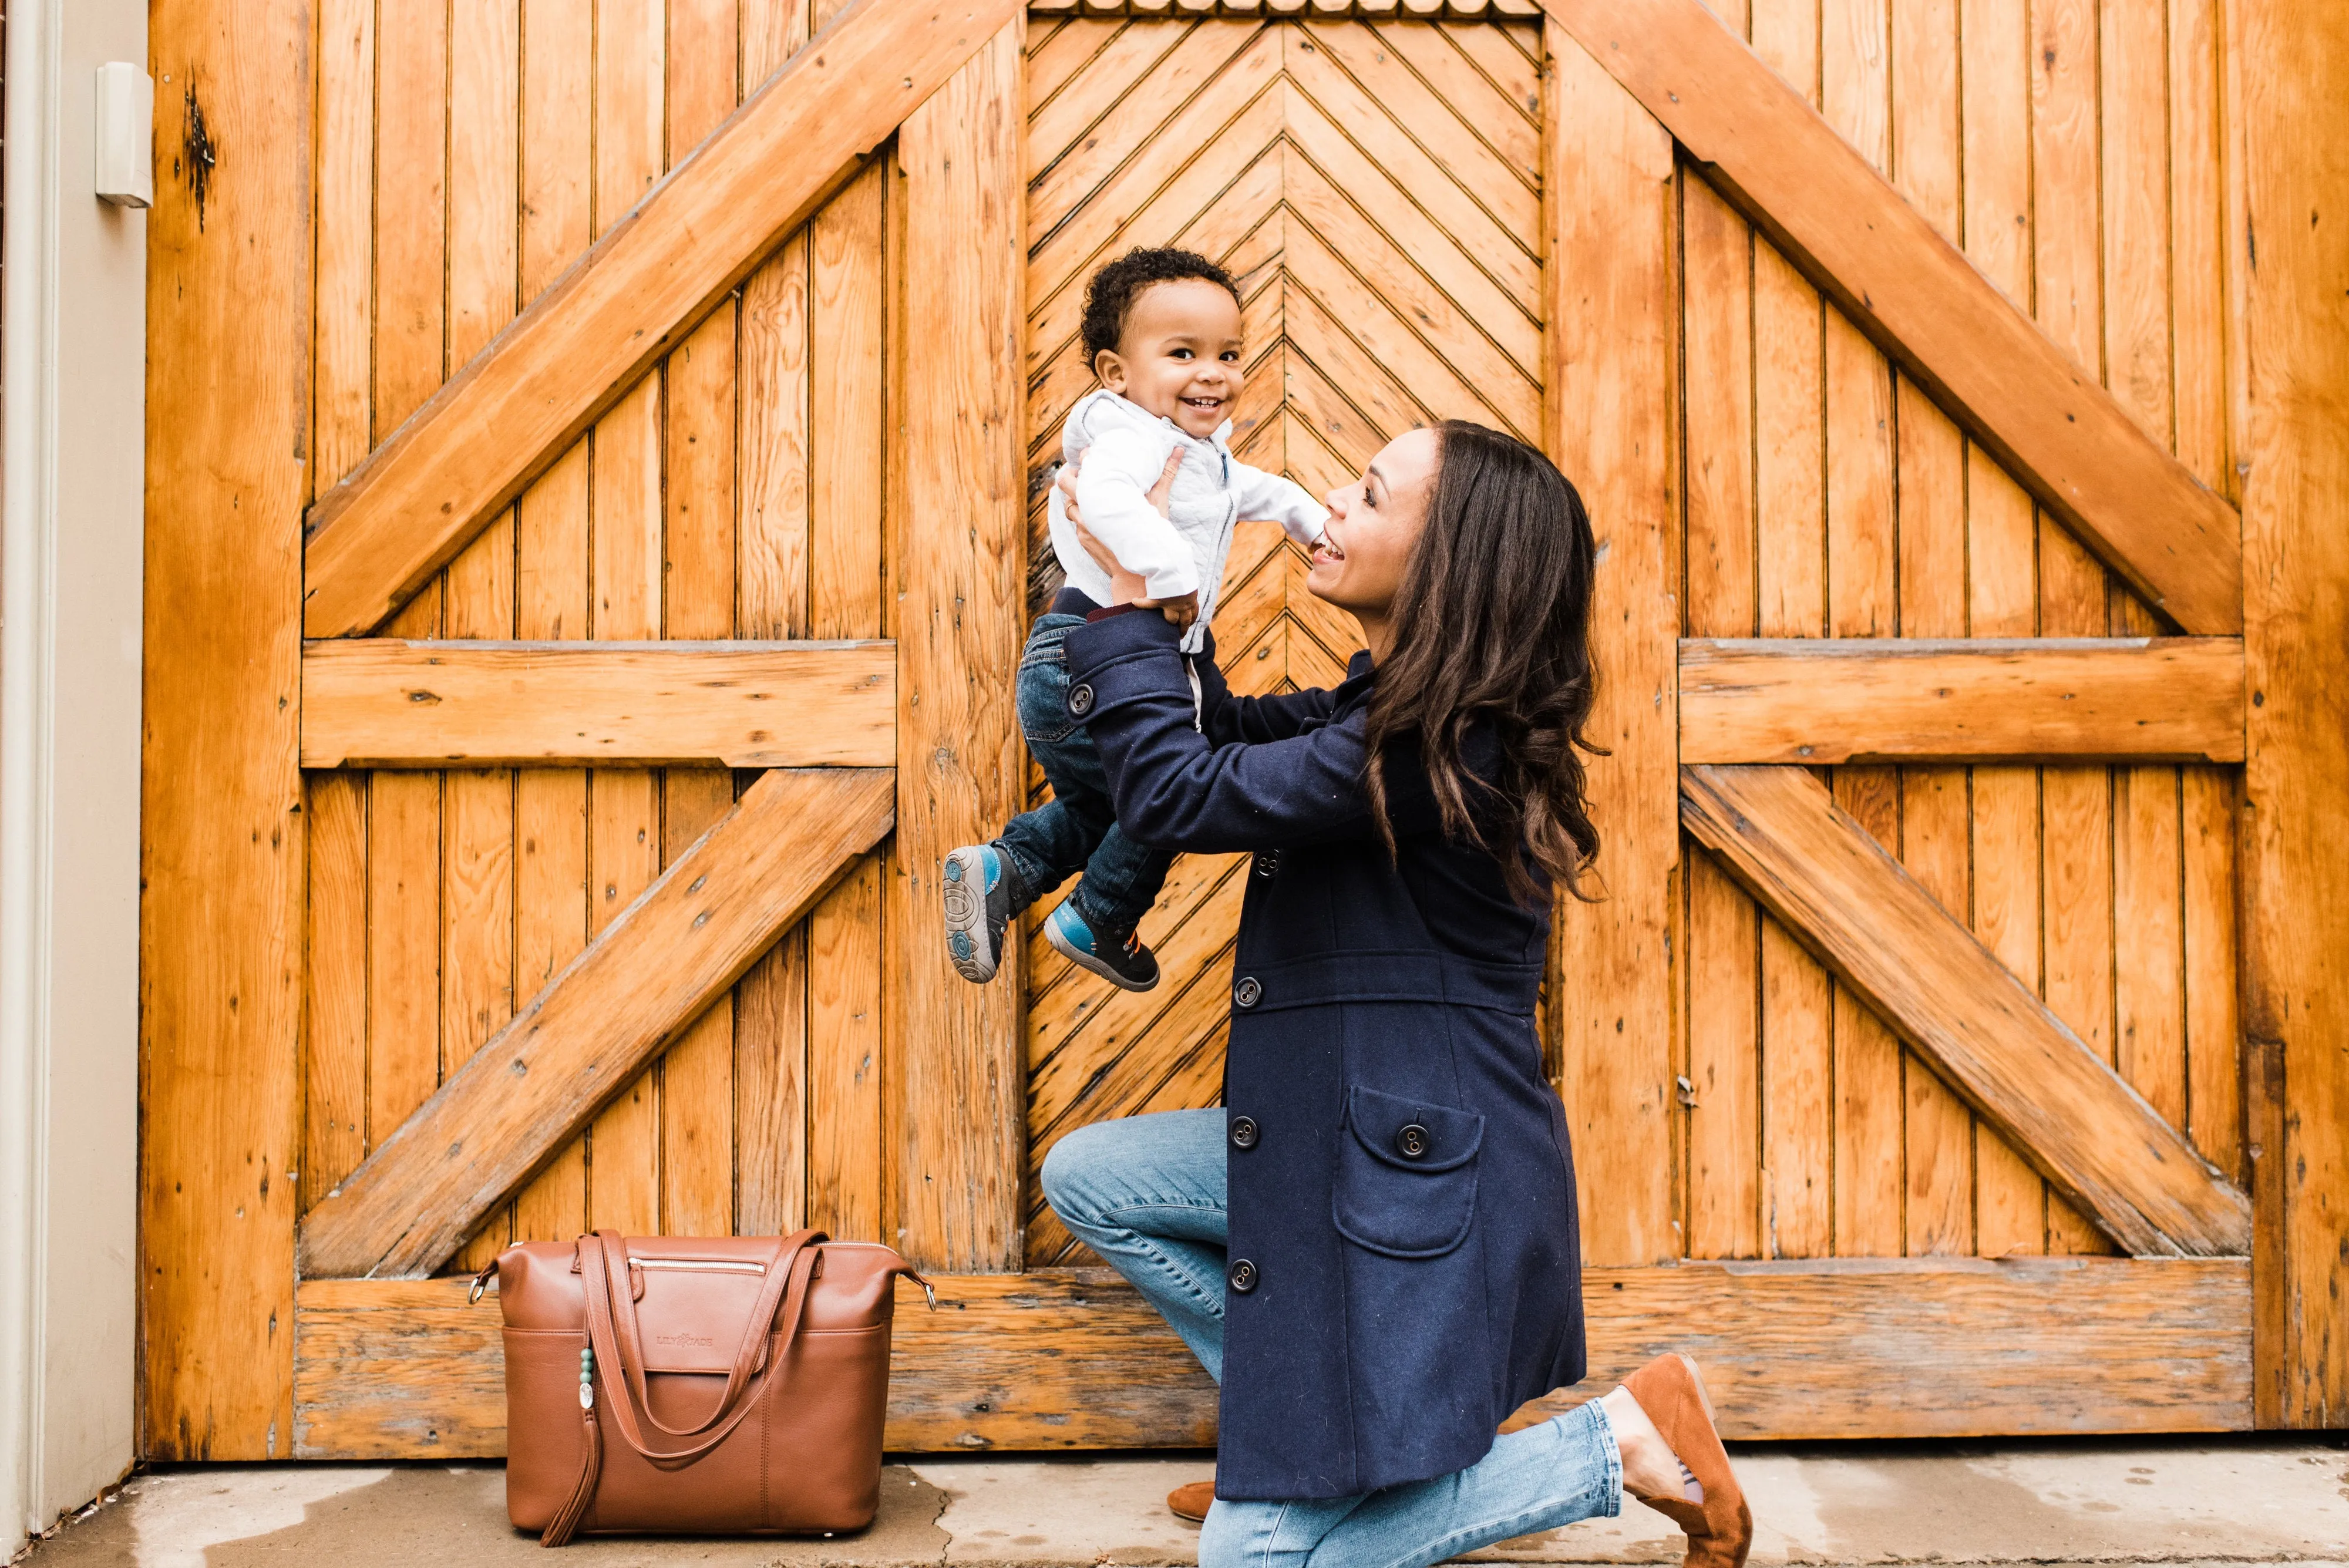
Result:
{"points": [[1372, 473]]}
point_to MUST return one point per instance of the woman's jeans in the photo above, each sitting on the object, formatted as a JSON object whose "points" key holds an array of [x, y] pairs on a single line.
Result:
{"points": [[1147, 1194], [1076, 830]]}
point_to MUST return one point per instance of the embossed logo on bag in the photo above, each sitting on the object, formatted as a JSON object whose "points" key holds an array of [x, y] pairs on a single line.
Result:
{"points": [[704, 1342]]}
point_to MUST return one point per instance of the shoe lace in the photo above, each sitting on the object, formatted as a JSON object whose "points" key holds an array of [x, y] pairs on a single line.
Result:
{"points": [[1134, 943]]}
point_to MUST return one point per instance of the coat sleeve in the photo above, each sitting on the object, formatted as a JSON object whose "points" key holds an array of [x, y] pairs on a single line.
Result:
{"points": [[1224, 717], [1176, 787]]}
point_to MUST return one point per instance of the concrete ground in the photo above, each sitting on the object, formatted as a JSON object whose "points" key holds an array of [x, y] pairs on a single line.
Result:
{"points": [[2242, 1500]]}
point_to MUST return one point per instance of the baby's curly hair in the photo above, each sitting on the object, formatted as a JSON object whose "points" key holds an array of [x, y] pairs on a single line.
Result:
{"points": [[1110, 296]]}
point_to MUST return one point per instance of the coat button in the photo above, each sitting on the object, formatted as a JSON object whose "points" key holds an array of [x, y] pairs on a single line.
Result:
{"points": [[1411, 1141], [1081, 700], [1244, 1132], [1246, 991], [1269, 863], [1242, 1276]]}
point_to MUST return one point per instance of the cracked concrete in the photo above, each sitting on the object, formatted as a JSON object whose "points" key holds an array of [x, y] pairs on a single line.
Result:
{"points": [[2271, 1502]]}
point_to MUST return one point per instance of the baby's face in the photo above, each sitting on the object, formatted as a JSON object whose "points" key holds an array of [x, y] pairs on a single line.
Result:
{"points": [[1179, 357]]}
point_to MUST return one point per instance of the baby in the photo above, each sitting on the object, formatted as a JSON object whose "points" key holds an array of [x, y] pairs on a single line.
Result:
{"points": [[1161, 331]]}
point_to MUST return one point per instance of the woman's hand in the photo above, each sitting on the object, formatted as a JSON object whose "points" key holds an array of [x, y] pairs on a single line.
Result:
{"points": [[1124, 586]]}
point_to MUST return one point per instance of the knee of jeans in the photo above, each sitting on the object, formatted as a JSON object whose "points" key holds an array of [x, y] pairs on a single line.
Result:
{"points": [[1067, 1176]]}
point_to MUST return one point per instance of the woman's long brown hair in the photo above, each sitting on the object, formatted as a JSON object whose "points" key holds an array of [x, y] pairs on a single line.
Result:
{"points": [[1492, 628]]}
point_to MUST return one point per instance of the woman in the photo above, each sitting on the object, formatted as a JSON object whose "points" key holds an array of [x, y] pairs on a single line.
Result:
{"points": [[1372, 1245]]}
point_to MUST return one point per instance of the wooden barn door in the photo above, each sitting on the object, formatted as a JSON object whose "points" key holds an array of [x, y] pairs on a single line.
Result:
{"points": [[566, 713], [1918, 965]]}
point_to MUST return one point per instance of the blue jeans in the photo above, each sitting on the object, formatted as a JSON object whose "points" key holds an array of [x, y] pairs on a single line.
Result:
{"points": [[1076, 830], [1147, 1193]]}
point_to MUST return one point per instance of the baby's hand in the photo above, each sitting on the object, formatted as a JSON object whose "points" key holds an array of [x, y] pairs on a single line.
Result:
{"points": [[1182, 610]]}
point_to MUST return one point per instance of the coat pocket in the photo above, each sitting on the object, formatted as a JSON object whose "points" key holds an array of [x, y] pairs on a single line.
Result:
{"points": [[1406, 1179]]}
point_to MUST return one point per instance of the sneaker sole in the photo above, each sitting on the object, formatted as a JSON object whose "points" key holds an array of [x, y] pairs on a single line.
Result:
{"points": [[965, 899], [1091, 964]]}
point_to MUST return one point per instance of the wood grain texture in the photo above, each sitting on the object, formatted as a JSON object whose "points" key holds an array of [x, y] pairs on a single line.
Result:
{"points": [[221, 867], [1996, 1044], [955, 556], [631, 992], [2294, 66], [388, 703], [580, 345], [1074, 1358], [1611, 312], [2020, 394], [1818, 701]]}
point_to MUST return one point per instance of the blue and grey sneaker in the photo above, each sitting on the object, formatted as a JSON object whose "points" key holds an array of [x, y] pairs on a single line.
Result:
{"points": [[1127, 964], [977, 886]]}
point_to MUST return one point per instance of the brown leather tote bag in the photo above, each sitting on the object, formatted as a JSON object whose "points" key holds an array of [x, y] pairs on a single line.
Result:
{"points": [[677, 1385]]}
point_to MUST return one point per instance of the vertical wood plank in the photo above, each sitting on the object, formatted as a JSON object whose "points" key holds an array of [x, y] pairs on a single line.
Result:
{"points": [[956, 563], [343, 345], [1726, 1202], [342, 407], [846, 355], [844, 984], [228, 304], [477, 886], [770, 1109], [1936, 806], [1608, 277], [770, 1013], [2002, 570], [626, 556], [410, 352], [2201, 400], [335, 1111], [1855, 95], [2148, 983], [696, 1098], [1868, 1095], [2295, 73], [551, 594], [697, 1095], [2197, 265], [2214, 1086], [2077, 803], [1790, 556], [771, 539]]}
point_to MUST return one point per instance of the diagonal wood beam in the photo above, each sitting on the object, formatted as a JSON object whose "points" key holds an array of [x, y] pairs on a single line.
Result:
{"points": [[518, 1099], [421, 498], [1819, 700], [385, 702], [2071, 1115], [1858, 241]]}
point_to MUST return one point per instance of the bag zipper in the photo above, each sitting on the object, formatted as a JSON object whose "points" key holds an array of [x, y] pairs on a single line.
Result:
{"points": [[697, 1265]]}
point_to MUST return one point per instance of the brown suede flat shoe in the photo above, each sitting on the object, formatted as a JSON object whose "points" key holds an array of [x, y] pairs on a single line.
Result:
{"points": [[1721, 1528], [1192, 1501]]}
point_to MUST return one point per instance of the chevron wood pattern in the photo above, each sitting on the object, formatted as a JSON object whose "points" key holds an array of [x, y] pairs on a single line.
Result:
{"points": [[1375, 186]]}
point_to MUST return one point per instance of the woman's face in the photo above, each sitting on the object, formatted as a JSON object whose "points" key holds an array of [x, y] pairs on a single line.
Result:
{"points": [[1374, 524]]}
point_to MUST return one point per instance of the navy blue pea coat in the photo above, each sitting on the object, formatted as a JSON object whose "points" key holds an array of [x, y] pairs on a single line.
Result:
{"points": [[1406, 1266]]}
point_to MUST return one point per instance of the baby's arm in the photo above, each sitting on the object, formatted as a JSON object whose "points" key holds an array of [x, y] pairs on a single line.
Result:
{"points": [[1113, 489], [1273, 495]]}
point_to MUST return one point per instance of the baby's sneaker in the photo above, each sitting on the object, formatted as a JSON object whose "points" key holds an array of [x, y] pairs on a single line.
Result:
{"points": [[977, 885], [1122, 963]]}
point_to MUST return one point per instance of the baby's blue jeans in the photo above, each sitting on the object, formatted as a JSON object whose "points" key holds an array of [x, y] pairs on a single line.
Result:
{"points": [[1076, 830], [1147, 1193]]}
